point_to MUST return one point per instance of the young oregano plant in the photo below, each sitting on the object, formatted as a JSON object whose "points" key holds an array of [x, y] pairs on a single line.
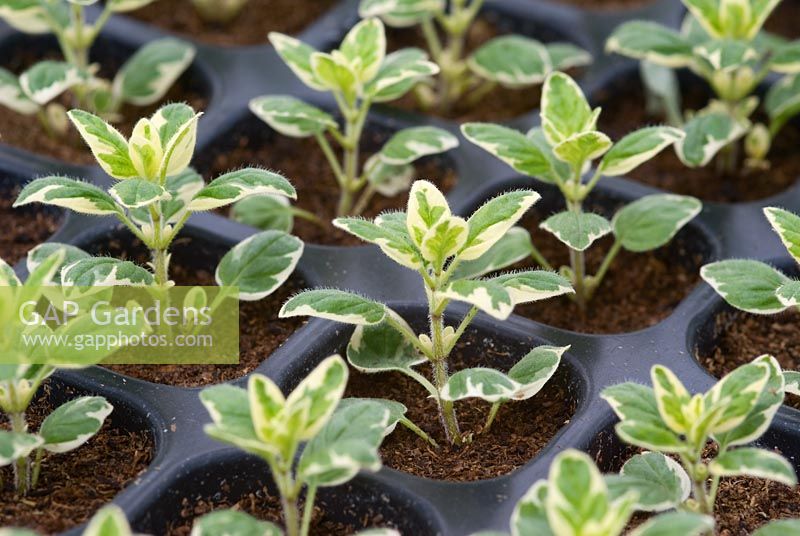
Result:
{"points": [[758, 288], [339, 440], [723, 43], [560, 152], [357, 74], [25, 367], [450, 254], [666, 420], [577, 500], [155, 194], [142, 80], [511, 61]]}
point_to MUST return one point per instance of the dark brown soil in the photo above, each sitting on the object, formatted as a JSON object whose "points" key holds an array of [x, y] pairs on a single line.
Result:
{"points": [[267, 507], [604, 5], [304, 164], [519, 432], [639, 290], [783, 20], [499, 105], [740, 337], [261, 332], [26, 132], [73, 485], [624, 111], [22, 229], [250, 27]]}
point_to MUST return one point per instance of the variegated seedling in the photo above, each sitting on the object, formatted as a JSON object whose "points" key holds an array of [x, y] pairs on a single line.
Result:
{"points": [[723, 43], [339, 437], [450, 254], [155, 194], [577, 500], [25, 367], [667, 419], [559, 152], [142, 80], [511, 61], [758, 288], [357, 74]]}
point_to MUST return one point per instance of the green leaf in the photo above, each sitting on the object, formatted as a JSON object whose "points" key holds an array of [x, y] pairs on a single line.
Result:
{"points": [[783, 101], [389, 232], [649, 436], [511, 60], [317, 396], [14, 445], [581, 148], [335, 73], [787, 226], [28, 16], [105, 272], [660, 482], [108, 521], [8, 278], [400, 71], [782, 527], [708, 14], [512, 248], [484, 383], [297, 56], [387, 179], [411, 144], [291, 116], [427, 206], [381, 348], [565, 56], [633, 402], [137, 193], [512, 147], [74, 423], [488, 296], [565, 111], [493, 219], [786, 58], [42, 252], [736, 395], [652, 221], [177, 129], [346, 445], [662, 84], [108, 146], [706, 134], [637, 148], [533, 285], [578, 230], [672, 398], [760, 463], [233, 523], [792, 382], [397, 411], [12, 96], [675, 524], [364, 47], [535, 369], [147, 76], [746, 284], [259, 264], [337, 305], [67, 193], [444, 240], [235, 185], [652, 42], [265, 212], [400, 13], [530, 514], [47, 80], [123, 6]]}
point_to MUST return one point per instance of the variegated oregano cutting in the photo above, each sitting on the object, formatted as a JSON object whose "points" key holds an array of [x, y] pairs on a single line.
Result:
{"points": [[560, 152], [142, 80], [450, 254]]}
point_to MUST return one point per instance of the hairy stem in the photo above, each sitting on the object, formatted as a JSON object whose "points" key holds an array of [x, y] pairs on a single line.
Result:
{"points": [[491, 416], [595, 281], [308, 510], [37, 467], [161, 266], [577, 261], [21, 475], [440, 377]]}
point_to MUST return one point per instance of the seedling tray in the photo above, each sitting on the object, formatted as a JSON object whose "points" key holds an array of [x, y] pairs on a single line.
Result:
{"points": [[187, 463]]}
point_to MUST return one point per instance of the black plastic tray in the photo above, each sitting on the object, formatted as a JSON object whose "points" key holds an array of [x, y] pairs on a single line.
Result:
{"points": [[187, 463]]}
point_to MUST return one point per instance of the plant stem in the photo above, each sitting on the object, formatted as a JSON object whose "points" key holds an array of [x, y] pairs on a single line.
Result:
{"points": [[308, 509], [308, 216], [37, 466], [419, 431], [21, 476], [492, 415], [161, 267], [578, 263], [595, 281], [461, 328], [440, 378], [537, 256]]}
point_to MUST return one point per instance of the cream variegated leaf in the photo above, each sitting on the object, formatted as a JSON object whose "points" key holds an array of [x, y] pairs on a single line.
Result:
{"points": [[297, 56], [493, 219], [512, 61], [236, 185], [12, 95], [389, 232], [338, 305], [291, 116], [427, 206], [411, 144], [108, 146], [488, 296], [533, 285], [68, 193]]}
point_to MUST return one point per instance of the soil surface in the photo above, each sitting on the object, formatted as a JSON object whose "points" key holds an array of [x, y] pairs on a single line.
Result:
{"points": [[267, 507], [624, 110], [304, 164], [261, 332], [74, 485], [519, 432], [783, 20], [26, 131], [740, 337], [500, 104], [250, 27], [639, 290], [22, 229]]}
